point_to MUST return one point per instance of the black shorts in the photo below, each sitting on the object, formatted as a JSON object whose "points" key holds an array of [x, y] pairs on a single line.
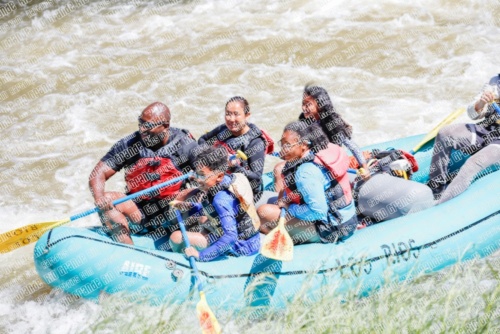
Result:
{"points": [[329, 233]]}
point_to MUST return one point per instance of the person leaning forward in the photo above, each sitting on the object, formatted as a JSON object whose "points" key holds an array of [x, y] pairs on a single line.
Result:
{"points": [[154, 154]]}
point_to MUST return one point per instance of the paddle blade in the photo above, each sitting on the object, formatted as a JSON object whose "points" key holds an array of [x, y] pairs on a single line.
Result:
{"points": [[278, 244], [433, 133], [26, 235], [240, 154], [208, 321]]}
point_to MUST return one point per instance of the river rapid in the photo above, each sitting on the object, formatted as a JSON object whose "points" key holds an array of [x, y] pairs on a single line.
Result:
{"points": [[76, 74]]}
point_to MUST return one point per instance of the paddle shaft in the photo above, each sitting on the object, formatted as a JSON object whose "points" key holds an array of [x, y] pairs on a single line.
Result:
{"points": [[134, 195], [496, 107], [192, 260], [282, 213], [450, 118]]}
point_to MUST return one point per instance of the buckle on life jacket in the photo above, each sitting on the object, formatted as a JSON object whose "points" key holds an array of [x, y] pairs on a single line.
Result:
{"points": [[152, 176], [154, 163]]}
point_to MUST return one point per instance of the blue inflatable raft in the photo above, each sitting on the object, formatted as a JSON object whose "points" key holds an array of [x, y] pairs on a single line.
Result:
{"points": [[87, 263]]}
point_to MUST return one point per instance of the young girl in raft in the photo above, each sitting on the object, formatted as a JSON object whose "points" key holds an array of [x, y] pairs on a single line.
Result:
{"points": [[318, 108], [230, 202], [316, 189], [238, 134]]}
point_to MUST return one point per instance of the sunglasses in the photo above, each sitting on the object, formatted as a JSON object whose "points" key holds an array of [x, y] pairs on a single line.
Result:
{"points": [[202, 177], [147, 126], [287, 146]]}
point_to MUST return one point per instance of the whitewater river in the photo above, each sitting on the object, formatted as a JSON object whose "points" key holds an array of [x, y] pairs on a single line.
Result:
{"points": [[75, 75]]}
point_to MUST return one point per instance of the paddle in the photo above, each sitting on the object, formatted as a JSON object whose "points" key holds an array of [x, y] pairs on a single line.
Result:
{"points": [[495, 106], [208, 321], [278, 244], [240, 154], [433, 133], [27, 234]]}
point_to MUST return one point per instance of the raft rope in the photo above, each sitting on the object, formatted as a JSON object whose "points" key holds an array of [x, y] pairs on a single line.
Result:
{"points": [[295, 272]]}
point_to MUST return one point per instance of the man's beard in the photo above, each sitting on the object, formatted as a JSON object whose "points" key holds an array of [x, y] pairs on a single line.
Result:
{"points": [[154, 140]]}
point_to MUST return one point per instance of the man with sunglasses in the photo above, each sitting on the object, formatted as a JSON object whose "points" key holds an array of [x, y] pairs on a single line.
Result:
{"points": [[154, 154]]}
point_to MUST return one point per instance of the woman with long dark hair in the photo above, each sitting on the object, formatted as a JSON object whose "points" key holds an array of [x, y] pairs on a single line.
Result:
{"points": [[317, 107], [238, 134], [316, 188]]}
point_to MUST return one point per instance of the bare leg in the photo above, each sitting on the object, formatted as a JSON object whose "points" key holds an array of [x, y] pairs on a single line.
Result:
{"points": [[197, 240], [269, 215], [300, 231]]}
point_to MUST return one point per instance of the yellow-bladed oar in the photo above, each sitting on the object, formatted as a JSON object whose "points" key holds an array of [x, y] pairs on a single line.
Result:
{"points": [[208, 321], [27, 234], [241, 154], [278, 244], [433, 133]]}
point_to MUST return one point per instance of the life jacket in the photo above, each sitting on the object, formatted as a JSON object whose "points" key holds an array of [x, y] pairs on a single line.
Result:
{"points": [[335, 161], [491, 120], [396, 162], [223, 137], [248, 222], [155, 167]]}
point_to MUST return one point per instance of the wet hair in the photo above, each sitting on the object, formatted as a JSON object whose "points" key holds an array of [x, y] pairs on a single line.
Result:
{"points": [[310, 134], [333, 125], [246, 106], [214, 158]]}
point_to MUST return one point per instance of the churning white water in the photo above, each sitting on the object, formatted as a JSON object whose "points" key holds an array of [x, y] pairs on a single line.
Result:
{"points": [[76, 74]]}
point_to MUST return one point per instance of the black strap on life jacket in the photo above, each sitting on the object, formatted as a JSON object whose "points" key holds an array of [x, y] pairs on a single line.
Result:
{"points": [[334, 194], [244, 225]]}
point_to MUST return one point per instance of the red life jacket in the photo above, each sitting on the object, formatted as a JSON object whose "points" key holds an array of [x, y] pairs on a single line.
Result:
{"points": [[375, 156], [148, 172], [336, 161], [155, 167]]}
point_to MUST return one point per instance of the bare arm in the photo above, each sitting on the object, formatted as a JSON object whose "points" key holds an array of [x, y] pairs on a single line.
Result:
{"points": [[97, 182], [479, 107]]}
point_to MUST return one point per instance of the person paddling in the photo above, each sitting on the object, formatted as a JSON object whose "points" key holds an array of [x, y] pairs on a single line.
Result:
{"points": [[481, 141], [317, 107], [316, 188], [150, 156], [229, 204], [238, 134]]}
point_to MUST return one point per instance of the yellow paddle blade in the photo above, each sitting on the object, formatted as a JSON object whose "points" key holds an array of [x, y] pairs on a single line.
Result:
{"points": [[208, 321], [278, 244], [433, 133], [26, 235], [241, 154]]}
